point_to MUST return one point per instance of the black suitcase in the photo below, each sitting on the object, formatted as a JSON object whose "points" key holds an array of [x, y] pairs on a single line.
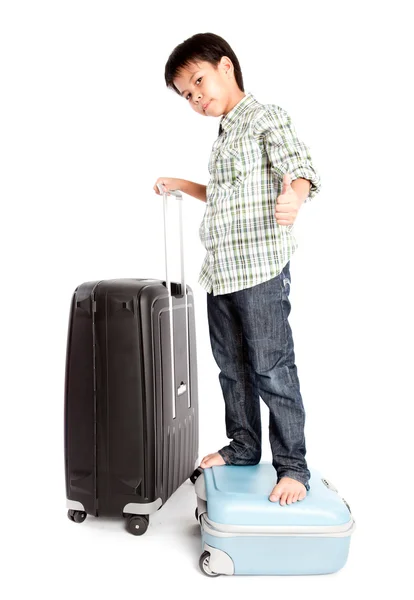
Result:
{"points": [[131, 399]]}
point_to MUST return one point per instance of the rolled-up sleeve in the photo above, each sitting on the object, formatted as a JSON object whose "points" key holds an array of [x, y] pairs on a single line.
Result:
{"points": [[286, 152]]}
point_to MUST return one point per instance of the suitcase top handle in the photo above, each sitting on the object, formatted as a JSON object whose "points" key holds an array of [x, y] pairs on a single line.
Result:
{"points": [[179, 196], [175, 193]]}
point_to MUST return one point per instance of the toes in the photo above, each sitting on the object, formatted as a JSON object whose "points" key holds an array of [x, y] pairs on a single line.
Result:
{"points": [[286, 495], [205, 459], [283, 498], [275, 494], [211, 460], [289, 498]]}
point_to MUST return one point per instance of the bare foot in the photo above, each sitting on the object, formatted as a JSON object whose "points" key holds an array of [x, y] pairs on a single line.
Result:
{"points": [[212, 460], [288, 490]]}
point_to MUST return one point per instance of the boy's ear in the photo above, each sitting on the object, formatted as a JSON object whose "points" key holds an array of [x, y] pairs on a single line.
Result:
{"points": [[226, 63]]}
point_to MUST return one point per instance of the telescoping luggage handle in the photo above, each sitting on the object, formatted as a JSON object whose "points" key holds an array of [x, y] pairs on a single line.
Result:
{"points": [[182, 386]]}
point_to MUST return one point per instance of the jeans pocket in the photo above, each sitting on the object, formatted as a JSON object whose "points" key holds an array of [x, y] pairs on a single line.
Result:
{"points": [[284, 278], [286, 285]]}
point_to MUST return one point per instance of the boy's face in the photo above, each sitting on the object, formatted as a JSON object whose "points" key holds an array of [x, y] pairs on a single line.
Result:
{"points": [[208, 89]]}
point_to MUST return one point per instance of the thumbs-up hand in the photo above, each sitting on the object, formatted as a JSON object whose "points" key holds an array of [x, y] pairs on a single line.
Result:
{"points": [[287, 203]]}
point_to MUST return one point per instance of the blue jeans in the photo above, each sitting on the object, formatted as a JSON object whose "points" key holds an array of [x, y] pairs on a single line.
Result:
{"points": [[252, 344]]}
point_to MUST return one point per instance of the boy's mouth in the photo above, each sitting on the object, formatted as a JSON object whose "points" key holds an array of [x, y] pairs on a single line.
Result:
{"points": [[205, 106]]}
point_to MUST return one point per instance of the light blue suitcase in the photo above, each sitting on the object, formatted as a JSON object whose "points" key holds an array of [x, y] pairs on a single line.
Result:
{"points": [[243, 533]]}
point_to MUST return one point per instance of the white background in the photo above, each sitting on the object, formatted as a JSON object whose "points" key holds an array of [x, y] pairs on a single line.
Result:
{"points": [[87, 126]]}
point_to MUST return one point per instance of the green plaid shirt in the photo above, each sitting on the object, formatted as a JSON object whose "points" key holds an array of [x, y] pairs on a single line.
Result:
{"points": [[245, 246]]}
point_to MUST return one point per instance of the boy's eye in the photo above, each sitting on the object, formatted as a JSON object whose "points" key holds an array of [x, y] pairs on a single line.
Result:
{"points": [[189, 94]]}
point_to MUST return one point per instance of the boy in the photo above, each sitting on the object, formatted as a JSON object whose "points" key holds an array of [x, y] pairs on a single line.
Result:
{"points": [[251, 205]]}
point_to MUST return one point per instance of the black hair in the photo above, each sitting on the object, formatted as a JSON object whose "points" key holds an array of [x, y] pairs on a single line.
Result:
{"points": [[207, 47]]}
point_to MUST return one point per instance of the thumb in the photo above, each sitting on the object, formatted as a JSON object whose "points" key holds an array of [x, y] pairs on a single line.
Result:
{"points": [[286, 182]]}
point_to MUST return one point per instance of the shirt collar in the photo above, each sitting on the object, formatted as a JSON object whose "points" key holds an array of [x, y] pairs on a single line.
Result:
{"points": [[227, 121]]}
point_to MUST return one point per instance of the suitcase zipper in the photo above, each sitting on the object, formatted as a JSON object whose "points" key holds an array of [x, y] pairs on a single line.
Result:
{"points": [[95, 407]]}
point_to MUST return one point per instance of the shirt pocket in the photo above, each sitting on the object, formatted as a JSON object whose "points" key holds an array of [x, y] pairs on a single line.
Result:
{"points": [[252, 159], [228, 169]]}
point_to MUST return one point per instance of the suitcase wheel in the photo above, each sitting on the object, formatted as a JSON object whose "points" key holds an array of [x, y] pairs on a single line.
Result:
{"points": [[137, 524], [204, 565], [196, 474], [196, 513], [77, 516]]}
